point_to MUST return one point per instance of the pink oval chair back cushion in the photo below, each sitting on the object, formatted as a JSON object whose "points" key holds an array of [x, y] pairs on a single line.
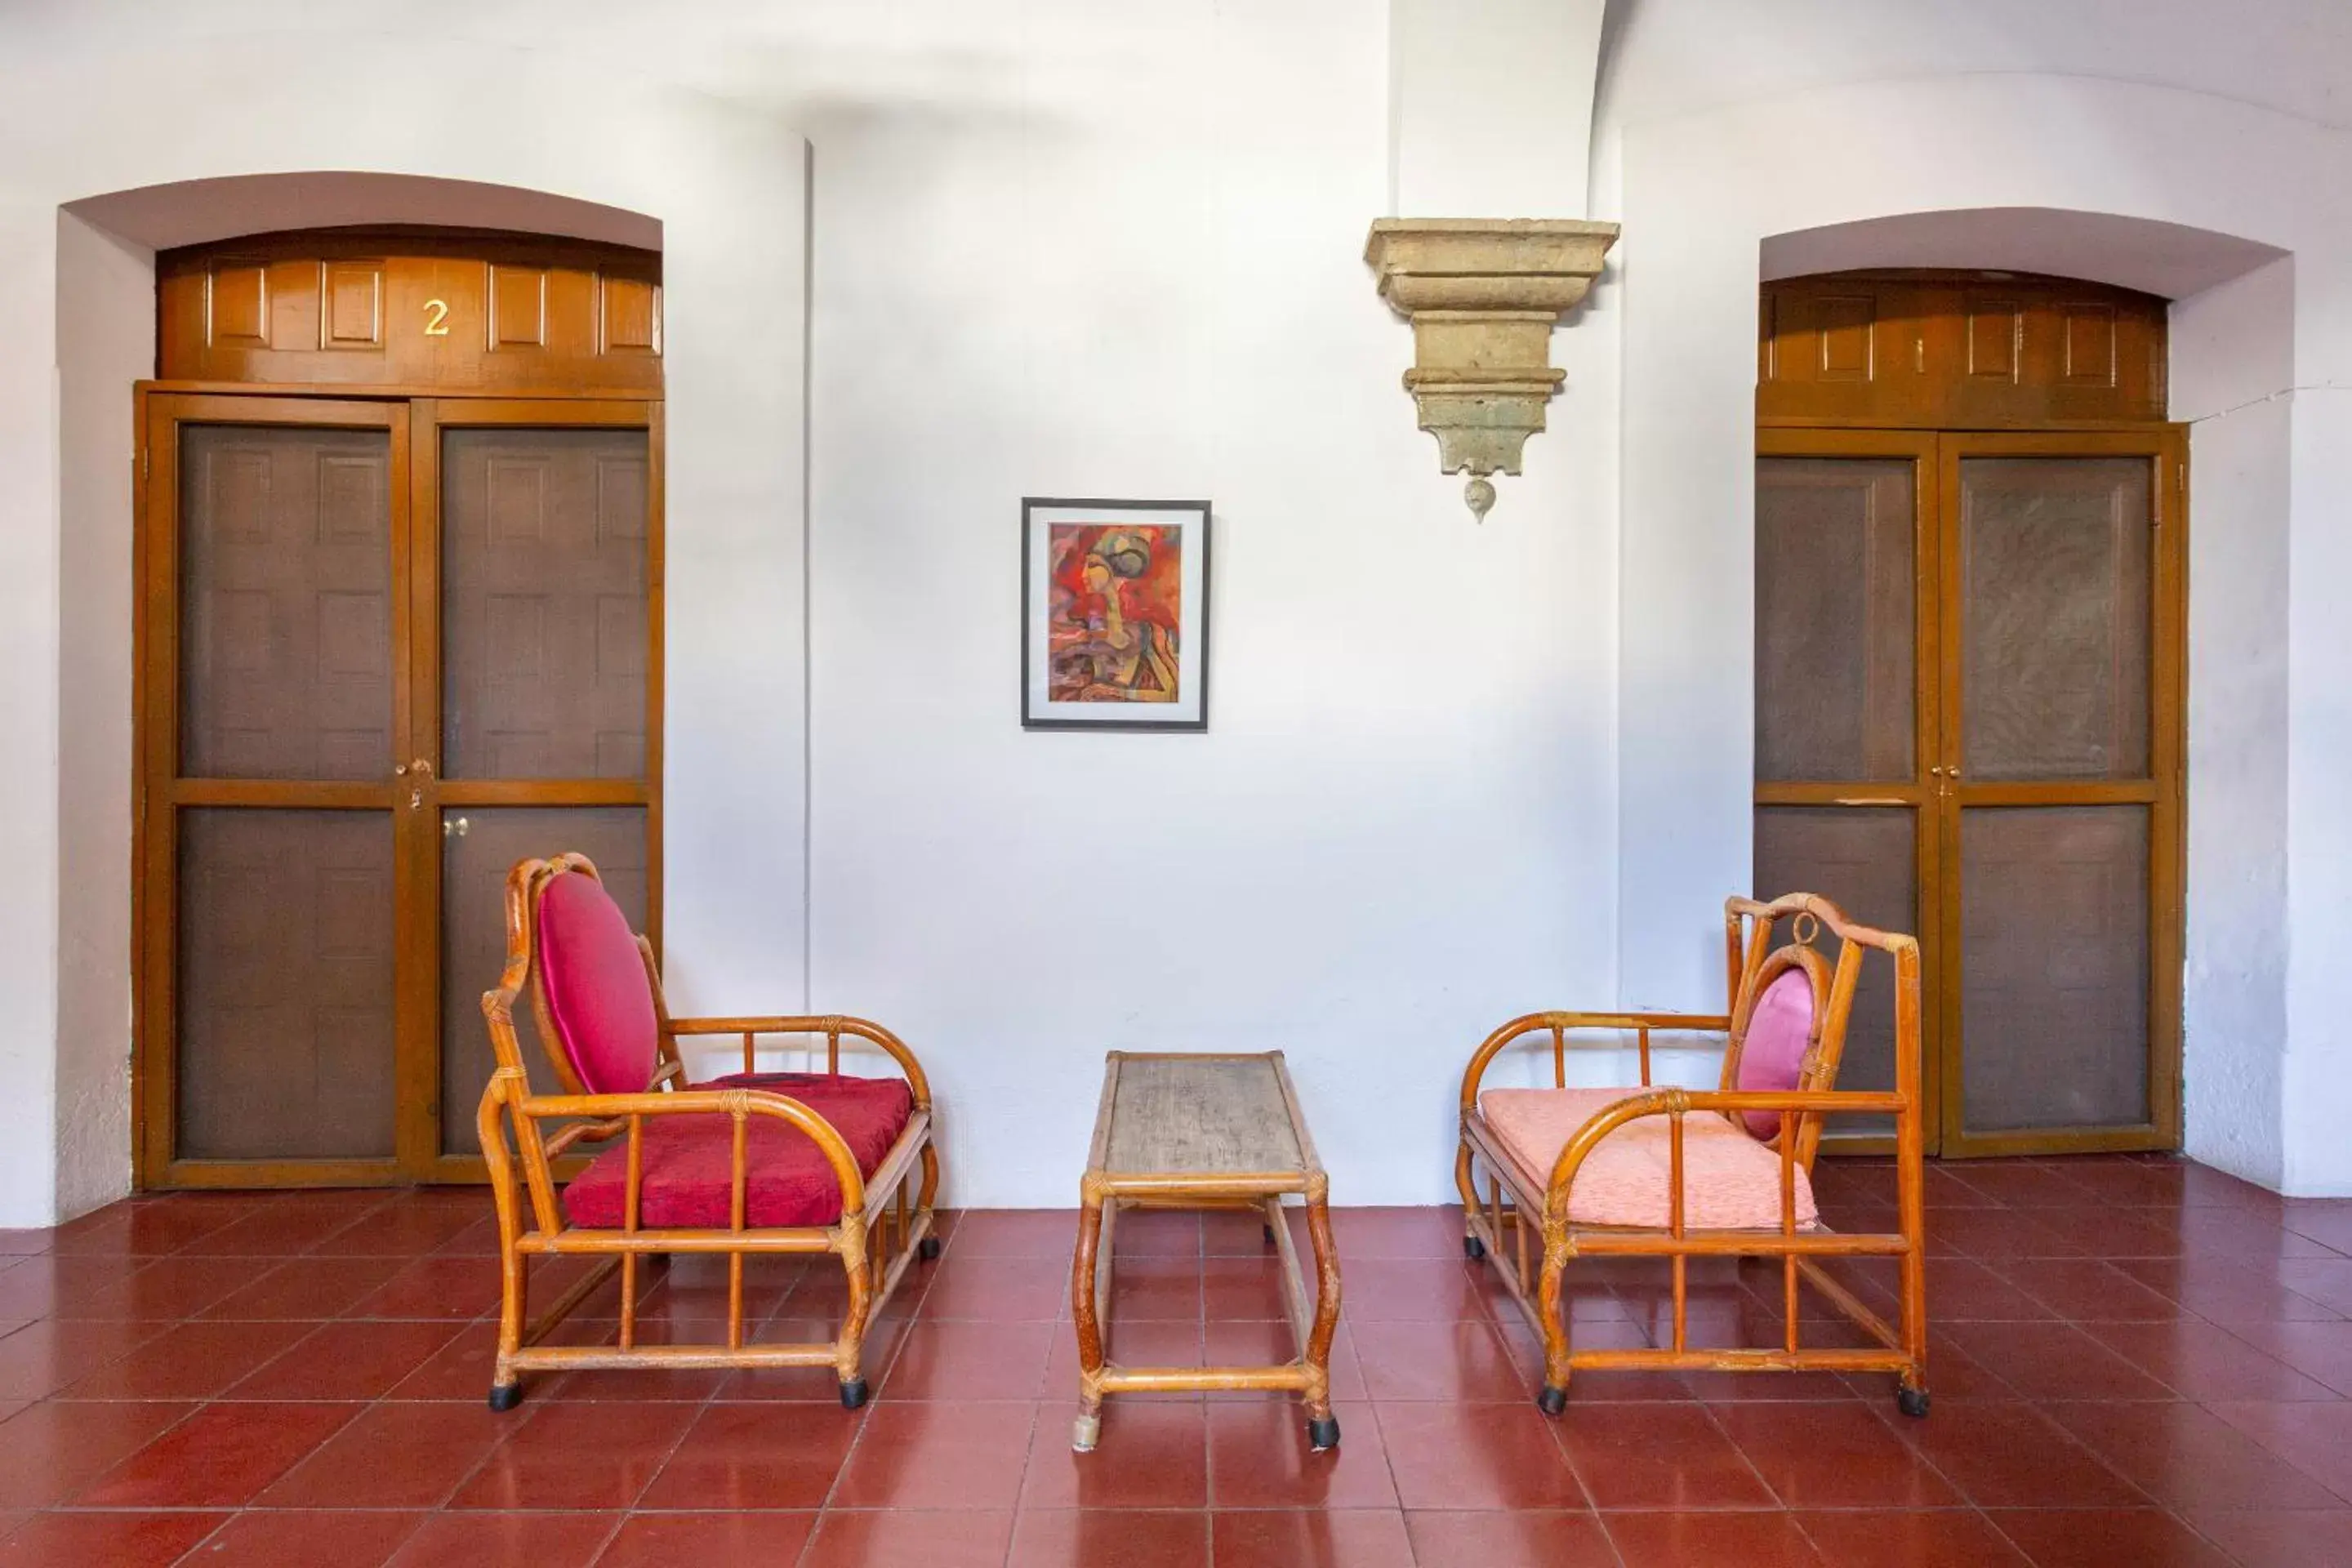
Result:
{"points": [[596, 987], [1778, 1031]]}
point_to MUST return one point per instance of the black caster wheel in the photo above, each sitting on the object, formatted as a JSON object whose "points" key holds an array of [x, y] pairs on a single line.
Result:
{"points": [[1473, 1249], [1912, 1401], [1323, 1434], [852, 1393], [505, 1397], [928, 1249], [1551, 1401]]}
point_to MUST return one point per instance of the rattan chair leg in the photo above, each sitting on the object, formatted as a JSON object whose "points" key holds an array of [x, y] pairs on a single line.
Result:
{"points": [[1554, 1397]]}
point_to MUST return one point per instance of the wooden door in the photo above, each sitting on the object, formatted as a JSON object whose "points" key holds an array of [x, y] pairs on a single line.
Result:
{"points": [[2060, 817], [538, 688], [389, 648], [274, 588], [1969, 655], [2023, 814], [399, 626], [1846, 697]]}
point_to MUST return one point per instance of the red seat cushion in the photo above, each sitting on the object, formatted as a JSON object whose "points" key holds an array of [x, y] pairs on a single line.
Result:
{"points": [[597, 992], [687, 1159]]}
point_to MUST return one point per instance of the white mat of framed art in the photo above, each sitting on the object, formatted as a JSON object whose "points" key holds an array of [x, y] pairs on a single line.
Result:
{"points": [[1114, 614]]}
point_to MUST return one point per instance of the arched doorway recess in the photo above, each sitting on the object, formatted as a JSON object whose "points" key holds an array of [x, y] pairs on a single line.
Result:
{"points": [[399, 624], [1970, 665]]}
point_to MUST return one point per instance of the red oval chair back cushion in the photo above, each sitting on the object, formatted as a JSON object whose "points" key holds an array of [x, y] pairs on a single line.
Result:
{"points": [[1779, 1032], [596, 988]]}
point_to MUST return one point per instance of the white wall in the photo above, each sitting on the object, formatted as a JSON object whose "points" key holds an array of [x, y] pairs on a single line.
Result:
{"points": [[106, 339], [2233, 359], [1490, 107], [1393, 833], [2318, 1085]]}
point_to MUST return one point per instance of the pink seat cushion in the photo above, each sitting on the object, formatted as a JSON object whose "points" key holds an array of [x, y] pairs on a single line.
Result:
{"points": [[596, 987], [687, 1169], [1730, 1181], [1780, 1031]]}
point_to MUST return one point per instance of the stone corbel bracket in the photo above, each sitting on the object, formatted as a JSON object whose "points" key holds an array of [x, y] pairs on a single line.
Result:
{"points": [[1484, 295]]}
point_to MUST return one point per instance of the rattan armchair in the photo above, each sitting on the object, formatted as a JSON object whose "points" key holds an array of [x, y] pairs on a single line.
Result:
{"points": [[749, 1165]]}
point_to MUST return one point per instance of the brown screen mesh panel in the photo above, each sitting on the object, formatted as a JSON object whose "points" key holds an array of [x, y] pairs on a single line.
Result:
{"points": [[1835, 597], [1864, 860], [2054, 966], [544, 606], [474, 866], [286, 595], [2056, 594], [285, 980]]}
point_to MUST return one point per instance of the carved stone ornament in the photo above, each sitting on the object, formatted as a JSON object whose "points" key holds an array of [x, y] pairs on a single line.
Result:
{"points": [[1484, 295]]}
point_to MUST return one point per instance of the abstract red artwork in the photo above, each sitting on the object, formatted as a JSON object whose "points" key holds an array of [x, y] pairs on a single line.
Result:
{"points": [[1117, 613], [1114, 614]]}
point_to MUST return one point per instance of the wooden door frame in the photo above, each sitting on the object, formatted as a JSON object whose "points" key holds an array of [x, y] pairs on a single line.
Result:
{"points": [[2165, 446], [414, 422]]}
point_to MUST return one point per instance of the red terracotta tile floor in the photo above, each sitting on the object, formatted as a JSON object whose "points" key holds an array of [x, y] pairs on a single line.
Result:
{"points": [[2136, 1361]]}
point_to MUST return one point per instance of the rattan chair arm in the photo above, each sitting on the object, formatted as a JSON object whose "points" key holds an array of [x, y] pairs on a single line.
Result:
{"points": [[1568, 1023], [835, 1024]]}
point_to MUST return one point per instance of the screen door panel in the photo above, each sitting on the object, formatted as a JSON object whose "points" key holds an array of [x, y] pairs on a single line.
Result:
{"points": [[2055, 559], [285, 984], [286, 589], [2054, 973], [1836, 582], [544, 610]]}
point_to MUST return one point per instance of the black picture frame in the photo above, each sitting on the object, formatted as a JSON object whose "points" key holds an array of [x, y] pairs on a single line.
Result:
{"points": [[1193, 652]]}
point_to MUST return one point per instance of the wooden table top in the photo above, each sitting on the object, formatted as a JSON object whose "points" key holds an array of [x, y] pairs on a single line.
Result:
{"points": [[1201, 1115]]}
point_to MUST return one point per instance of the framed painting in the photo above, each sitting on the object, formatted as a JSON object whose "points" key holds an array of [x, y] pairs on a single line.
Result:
{"points": [[1113, 615]]}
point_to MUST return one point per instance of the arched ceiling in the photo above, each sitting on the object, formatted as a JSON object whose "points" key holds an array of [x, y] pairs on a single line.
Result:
{"points": [[1667, 58], [2164, 259]]}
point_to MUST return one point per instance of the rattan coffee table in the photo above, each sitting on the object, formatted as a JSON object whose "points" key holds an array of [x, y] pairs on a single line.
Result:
{"points": [[1208, 1131]]}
